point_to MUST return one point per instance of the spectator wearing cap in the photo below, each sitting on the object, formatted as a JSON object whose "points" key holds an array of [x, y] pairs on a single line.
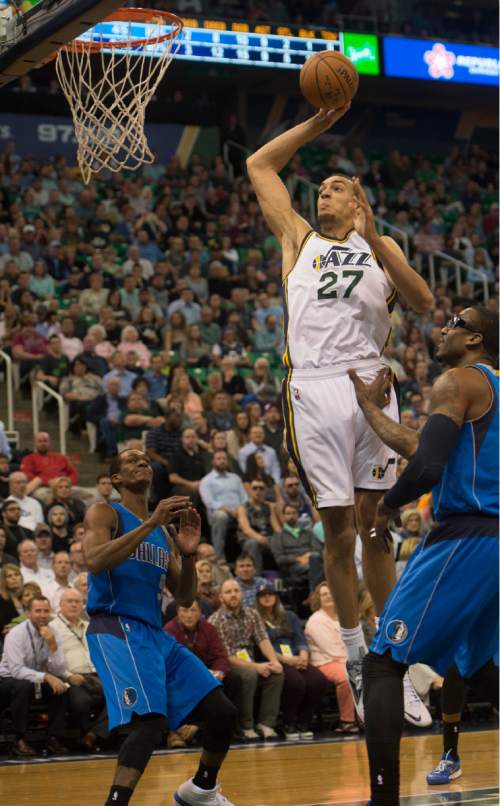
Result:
{"points": [[33, 661], [246, 577], [244, 635], [71, 344], [43, 542], [54, 365], [222, 493], [304, 685], [43, 465], [257, 522], [256, 444], [30, 244], [31, 509], [29, 567], [297, 551], [14, 532]]}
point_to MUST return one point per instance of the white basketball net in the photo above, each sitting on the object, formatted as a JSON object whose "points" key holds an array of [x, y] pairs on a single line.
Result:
{"points": [[108, 93]]}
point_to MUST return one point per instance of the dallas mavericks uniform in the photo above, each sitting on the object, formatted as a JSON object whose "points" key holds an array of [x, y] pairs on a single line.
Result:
{"points": [[445, 605], [338, 301], [142, 668]]}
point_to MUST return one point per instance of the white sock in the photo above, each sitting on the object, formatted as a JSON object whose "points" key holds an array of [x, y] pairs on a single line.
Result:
{"points": [[354, 641]]}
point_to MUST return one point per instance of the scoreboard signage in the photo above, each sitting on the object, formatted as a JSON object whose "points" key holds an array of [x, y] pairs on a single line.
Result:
{"points": [[440, 61], [255, 45]]}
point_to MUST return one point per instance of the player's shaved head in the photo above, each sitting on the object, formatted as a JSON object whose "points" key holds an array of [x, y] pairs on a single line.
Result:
{"points": [[486, 322]]}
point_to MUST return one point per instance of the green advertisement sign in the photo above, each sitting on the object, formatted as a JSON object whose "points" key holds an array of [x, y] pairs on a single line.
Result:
{"points": [[362, 50]]}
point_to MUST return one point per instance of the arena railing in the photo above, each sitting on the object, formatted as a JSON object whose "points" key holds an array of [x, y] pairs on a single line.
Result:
{"points": [[38, 390], [444, 263], [9, 383]]}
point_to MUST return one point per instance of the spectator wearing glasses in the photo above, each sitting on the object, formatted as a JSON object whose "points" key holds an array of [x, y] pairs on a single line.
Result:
{"points": [[43, 541], [14, 533], [257, 522], [223, 494], [293, 493]]}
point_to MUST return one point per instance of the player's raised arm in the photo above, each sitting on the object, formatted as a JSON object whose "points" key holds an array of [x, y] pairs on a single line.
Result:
{"points": [[265, 165], [389, 254], [102, 552]]}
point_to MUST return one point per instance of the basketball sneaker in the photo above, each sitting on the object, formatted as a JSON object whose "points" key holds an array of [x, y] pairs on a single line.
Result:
{"points": [[446, 771], [354, 669], [415, 711], [189, 794]]}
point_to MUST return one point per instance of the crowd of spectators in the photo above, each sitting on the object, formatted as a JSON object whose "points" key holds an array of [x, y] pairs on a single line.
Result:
{"points": [[152, 304]]}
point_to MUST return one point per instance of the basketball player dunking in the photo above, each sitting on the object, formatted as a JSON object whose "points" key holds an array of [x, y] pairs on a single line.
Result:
{"points": [[340, 282], [145, 673], [444, 608]]}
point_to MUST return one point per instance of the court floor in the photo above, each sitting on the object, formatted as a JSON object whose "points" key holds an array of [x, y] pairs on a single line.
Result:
{"points": [[314, 774]]}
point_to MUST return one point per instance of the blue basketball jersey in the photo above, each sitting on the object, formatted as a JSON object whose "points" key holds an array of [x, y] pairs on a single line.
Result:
{"points": [[469, 484], [134, 588]]}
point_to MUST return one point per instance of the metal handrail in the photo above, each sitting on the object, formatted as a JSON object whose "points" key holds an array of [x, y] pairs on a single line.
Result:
{"points": [[10, 389], [37, 387], [457, 265]]}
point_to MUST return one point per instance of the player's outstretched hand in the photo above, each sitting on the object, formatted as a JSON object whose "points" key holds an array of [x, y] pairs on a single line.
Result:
{"points": [[377, 392], [189, 532], [325, 118], [363, 219], [168, 509], [381, 534]]}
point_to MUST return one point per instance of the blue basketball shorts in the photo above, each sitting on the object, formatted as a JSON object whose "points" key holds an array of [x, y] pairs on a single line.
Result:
{"points": [[144, 670], [444, 608]]}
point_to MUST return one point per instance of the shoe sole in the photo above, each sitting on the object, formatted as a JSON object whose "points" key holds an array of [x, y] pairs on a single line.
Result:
{"points": [[452, 777]]}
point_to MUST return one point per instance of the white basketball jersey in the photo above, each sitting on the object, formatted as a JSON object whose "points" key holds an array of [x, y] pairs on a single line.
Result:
{"points": [[338, 301]]}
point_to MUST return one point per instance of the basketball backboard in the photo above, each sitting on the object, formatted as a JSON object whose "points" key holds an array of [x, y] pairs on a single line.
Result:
{"points": [[28, 40]]}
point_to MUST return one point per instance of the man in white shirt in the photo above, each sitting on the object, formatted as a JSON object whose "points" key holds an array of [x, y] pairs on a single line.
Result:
{"points": [[85, 694], [43, 541], [71, 345], [135, 259], [29, 567], [222, 493], [32, 658], [31, 509], [62, 570]]}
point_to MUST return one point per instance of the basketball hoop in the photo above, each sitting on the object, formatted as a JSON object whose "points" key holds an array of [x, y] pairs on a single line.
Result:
{"points": [[108, 80]]}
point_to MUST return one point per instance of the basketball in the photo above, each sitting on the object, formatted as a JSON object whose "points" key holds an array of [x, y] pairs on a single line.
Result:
{"points": [[328, 80]]}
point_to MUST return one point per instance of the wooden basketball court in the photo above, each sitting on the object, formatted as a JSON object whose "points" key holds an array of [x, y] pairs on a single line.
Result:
{"points": [[316, 774]]}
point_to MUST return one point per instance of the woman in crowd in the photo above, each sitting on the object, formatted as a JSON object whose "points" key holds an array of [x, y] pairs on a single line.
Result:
{"points": [[11, 591], [261, 382], [182, 389], [194, 352], [61, 493], [57, 520], [42, 285], [29, 591], [328, 652], [148, 328], [254, 413], [238, 435], [207, 590], [129, 341], [175, 333], [103, 346], [304, 685], [256, 470], [79, 389]]}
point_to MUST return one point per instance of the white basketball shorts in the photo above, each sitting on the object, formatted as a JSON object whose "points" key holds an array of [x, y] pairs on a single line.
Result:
{"points": [[329, 439]]}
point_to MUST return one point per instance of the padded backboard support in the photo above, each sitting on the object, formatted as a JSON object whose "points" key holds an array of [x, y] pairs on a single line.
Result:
{"points": [[34, 37]]}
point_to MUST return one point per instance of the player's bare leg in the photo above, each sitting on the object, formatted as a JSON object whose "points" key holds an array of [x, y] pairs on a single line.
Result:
{"points": [[379, 568], [342, 578]]}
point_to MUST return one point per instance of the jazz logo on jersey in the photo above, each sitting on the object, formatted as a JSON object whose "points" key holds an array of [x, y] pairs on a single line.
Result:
{"points": [[341, 256], [379, 471]]}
